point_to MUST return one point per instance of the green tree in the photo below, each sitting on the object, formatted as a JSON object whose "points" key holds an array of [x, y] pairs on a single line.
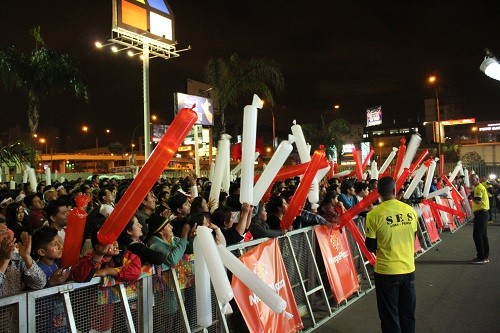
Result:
{"points": [[333, 135], [17, 153], [41, 73], [239, 78], [472, 160]]}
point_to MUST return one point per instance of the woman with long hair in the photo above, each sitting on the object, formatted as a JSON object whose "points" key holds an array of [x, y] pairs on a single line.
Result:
{"points": [[17, 220]]}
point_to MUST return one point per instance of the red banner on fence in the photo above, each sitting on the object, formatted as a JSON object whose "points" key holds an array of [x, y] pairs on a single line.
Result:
{"points": [[339, 265], [430, 223], [265, 260]]}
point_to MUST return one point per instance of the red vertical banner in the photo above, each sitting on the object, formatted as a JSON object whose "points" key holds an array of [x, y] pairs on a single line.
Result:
{"points": [[339, 264], [266, 261], [430, 224]]}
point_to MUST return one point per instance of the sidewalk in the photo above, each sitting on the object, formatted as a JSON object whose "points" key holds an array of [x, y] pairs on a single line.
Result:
{"points": [[452, 295]]}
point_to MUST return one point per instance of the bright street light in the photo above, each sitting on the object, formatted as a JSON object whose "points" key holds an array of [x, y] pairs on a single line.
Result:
{"points": [[43, 141], [380, 145], [490, 66]]}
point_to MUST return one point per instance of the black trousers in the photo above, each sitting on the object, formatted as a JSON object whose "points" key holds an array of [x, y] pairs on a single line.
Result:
{"points": [[480, 233], [396, 302]]}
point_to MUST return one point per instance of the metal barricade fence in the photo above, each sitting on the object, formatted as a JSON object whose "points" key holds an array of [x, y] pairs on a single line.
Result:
{"points": [[165, 303]]}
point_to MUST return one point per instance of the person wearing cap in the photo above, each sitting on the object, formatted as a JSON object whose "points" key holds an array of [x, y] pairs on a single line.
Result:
{"points": [[50, 194], [161, 238], [61, 190]]}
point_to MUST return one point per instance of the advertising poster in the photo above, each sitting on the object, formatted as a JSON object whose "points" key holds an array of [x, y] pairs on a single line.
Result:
{"points": [[337, 256], [266, 261]]}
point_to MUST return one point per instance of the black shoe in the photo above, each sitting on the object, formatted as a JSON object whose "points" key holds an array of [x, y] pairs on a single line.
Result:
{"points": [[478, 261]]}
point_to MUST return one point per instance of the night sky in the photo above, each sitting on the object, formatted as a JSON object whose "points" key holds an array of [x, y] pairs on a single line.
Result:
{"points": [[357, 55]]}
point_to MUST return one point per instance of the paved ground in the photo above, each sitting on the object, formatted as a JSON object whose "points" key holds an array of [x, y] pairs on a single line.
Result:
{"points": [[452, 295]]}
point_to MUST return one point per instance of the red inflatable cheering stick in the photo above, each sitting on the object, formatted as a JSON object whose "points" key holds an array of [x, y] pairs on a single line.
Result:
{"points": [[401, 156], [299, 198], [152, 169], [356, 155], [74, 231]]}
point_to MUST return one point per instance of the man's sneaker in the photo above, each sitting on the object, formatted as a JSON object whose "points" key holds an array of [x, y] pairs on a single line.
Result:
{"points": [[478, 261]]}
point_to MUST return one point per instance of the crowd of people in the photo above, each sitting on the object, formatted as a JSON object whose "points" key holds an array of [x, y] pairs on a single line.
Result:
{"points": [[161, 232]]}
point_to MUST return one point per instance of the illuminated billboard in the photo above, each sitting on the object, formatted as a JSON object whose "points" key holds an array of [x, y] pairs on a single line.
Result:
{"points": [[374, 116], [157, 132], [204, 107], [458, 121], [151, 18]]}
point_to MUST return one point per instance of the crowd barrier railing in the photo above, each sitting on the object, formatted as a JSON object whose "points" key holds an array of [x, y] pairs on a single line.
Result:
{"points": [[165, 301]]}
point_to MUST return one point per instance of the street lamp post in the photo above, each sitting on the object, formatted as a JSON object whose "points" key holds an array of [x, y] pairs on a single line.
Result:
{"points": [[274, 128], [85, 129], [433, 80], [43, 141], [132, 144], [336, 107]]}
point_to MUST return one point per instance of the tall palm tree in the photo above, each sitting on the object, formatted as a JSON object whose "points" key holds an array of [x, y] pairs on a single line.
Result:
{"points": [[39, 74], [17, 153], [239, 78]]}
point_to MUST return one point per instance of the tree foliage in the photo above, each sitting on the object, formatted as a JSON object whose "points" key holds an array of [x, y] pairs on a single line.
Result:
{"points": [[41, 73], [472, 159], [334, 135], [17, 153], [240, 78]]}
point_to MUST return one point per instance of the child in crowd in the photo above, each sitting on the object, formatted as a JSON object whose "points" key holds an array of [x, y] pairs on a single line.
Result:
{"points": [[47, 245], [106, 260]]}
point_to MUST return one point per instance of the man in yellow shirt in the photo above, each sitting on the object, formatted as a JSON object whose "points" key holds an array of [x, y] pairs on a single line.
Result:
{"points": [[390, 232], [480, 207]]}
